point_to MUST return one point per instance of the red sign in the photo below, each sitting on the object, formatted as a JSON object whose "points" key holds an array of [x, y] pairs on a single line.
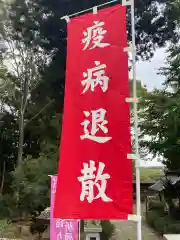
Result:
{"points": [[95, 176]]}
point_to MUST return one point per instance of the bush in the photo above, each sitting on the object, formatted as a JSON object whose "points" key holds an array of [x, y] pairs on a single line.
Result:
{"points": [[7, 209], [162, 223], [151, 216], [37, 228], [155, 205], [173, 228], [108, 230]]}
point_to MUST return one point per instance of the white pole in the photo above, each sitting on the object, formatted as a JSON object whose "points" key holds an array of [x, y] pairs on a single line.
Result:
{"points": [[89, 9], [79, 230], [138, 194]]}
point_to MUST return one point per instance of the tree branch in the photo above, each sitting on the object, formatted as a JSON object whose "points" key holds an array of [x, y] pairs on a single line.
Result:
{"points": [[41, 111]]}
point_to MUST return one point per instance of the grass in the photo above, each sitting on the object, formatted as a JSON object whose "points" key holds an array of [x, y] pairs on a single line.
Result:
{"points": [[163, 223], [12, 230], [150, 174]]}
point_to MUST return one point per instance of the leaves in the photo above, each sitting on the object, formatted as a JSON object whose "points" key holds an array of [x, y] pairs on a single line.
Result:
{"points": [[160, 114], [31, 181]]}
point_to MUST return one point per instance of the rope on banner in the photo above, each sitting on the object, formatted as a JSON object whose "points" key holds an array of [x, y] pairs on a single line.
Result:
{"points": [[134, 100], [67, 17]]}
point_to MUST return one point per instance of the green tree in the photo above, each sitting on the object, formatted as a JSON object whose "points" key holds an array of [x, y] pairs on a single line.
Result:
{"points": [[27, 120], [160, 114], [38, 24], [31, 182], [20, 74], [154, 22], [23, 78], [8, 151]]}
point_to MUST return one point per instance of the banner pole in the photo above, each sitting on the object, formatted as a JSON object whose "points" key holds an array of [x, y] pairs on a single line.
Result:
{"points": [[138, 194], [89, 9]]}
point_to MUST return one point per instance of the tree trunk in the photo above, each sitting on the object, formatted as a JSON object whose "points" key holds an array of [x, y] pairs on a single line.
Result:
{"points": [[3, 176], [24, 97], [21, 138]]}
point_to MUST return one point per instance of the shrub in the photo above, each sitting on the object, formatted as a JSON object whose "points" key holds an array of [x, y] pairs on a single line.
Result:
{"points": [[7, 209], [151, 216], [162, 223], [37, 228], [173, 228], [108, 230], [156, 205]]}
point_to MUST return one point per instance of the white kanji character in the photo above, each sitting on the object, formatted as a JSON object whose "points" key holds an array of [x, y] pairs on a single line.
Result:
{"points": [[95, 76], [68, 227], [68, 236], [59, 223], [98, 123], [59, 236], [94, 35], [89, 180]]}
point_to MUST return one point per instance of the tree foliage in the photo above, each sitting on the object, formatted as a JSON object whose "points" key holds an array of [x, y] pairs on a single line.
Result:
{"points": [[31, 184], [160, 114], [38, 24]]}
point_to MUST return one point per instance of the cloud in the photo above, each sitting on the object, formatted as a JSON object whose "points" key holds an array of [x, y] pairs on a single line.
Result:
{"points": [[147, 71]]}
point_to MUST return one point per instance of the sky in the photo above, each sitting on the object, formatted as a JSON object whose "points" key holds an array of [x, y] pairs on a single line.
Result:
{"points": [[147, 73]]}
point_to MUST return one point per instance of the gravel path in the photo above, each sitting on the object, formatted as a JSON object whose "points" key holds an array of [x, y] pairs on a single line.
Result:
{"points": [[126, 230]]}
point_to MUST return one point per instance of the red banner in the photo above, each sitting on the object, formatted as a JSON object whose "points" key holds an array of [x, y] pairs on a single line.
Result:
{"points": [[95, 176]]}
